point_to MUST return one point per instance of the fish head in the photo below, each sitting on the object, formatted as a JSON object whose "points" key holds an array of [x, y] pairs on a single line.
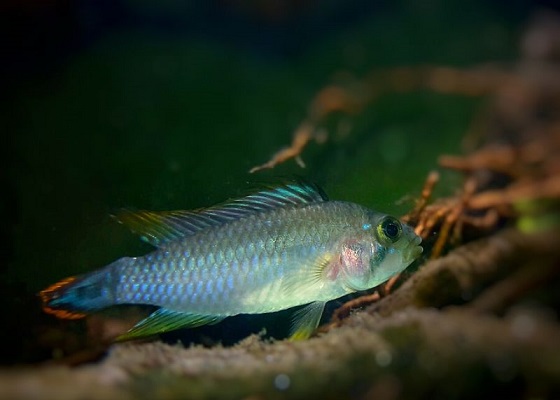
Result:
{"points": [[388, 247]]}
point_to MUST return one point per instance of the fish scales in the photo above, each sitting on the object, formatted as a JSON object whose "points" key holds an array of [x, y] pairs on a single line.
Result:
{"points": [[276, 249], [252, 256]]}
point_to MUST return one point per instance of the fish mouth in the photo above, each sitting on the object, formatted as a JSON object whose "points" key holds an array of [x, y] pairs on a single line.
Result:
{"points": [[414, 250]]}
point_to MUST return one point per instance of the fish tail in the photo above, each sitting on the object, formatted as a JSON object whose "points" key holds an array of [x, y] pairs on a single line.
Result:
{"points": [[75, 296]]}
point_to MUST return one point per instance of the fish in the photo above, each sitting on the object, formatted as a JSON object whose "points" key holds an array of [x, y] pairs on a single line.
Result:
{"points": [[278, 248]]}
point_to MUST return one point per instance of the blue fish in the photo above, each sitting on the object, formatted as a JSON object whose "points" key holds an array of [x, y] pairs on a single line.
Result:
{"points": [[275, 249]]}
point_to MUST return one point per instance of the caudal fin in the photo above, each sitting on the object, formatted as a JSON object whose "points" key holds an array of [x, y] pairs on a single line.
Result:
{"points": [[50, 295], [74, 297]]}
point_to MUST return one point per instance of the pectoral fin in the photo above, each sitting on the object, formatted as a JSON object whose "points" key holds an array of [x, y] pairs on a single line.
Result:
{"points": [[164, 320], [306, 320], [304, 276]]}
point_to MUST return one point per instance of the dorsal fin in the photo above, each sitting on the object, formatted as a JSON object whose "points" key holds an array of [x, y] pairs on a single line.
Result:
{"points": [[159, 227]]}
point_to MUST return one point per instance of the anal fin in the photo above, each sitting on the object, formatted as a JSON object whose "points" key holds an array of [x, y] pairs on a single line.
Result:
{"points": [[164, 320], [306, 320]]}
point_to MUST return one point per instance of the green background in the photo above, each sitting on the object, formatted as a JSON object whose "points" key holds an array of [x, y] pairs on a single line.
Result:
{"points": [[156, 116]]}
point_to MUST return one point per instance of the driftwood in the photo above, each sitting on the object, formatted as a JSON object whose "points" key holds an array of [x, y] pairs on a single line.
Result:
{"points": [[455, 329]]}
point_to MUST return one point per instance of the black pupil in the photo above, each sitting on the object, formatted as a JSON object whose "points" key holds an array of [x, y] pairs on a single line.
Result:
{"points": [[391, 229]]}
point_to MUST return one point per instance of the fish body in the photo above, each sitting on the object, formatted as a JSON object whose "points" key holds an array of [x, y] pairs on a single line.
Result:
{"points": [[276, 249]]}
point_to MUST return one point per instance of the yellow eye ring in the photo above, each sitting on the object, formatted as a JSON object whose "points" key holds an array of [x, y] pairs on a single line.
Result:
{"points": [[389, 230]]}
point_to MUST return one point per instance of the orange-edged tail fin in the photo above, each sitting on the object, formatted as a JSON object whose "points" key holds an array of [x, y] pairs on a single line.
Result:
{"points": [[51, 293]]}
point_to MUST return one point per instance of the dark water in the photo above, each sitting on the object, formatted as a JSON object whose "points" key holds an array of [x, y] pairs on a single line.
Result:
{"points": [[115, 103]]}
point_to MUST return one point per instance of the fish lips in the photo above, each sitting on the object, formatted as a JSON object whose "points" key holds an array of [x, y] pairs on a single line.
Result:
{"points": [[413, 251]]}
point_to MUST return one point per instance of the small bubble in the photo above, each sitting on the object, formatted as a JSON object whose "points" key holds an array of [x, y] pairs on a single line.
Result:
{"points": [[383, 358], [282, 381]]}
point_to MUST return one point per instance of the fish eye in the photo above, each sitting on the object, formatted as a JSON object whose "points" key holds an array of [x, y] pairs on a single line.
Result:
{"points": [[389, 230]]}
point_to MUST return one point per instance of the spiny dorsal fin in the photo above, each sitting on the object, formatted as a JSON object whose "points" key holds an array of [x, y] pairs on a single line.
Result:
{"points": [[159, 227]]}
